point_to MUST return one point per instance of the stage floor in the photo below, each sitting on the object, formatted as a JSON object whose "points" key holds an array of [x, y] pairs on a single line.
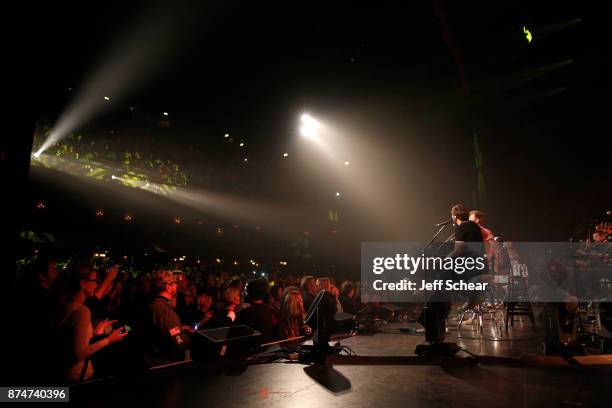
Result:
{"points": [[434, 385]]}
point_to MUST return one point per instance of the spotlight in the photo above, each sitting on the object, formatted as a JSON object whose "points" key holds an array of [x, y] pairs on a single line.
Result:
{"points": [[337, 194], [306, 118], [307, 131], [241, 144], [346, 163], [246, 159], [285, 154], [107, 98], [178, 220], [226, 135], [128, 218], [41, 205], [99, 213], [165, 113], [309, 126], [218, 260]]}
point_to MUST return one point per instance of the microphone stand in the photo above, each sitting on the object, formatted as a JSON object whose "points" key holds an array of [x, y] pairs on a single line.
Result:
{"points": [[436, 347], [434, 238]]}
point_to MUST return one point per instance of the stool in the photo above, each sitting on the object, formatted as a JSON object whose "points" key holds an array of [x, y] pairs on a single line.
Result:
{"points": [[478, 312], [518, 309]]}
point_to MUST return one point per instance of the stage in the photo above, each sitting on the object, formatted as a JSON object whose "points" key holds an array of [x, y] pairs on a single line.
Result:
{"points": [[497, 381]]}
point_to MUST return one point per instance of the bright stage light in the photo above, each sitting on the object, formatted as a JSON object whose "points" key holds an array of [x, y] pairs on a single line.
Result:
{"points": [[241, 144], [285, 154], [346, 163], [337, 194], [309, 126], [307, 131], [124, 68], [226, 135], [306, 118], [165, 113]]}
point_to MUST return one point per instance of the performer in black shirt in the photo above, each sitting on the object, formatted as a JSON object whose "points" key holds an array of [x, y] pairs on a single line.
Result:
{"points": [[437, 309], [465, 231]]}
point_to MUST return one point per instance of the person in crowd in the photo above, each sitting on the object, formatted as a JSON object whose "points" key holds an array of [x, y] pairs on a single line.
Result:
{"points": [[600, 236], [231, 300], [292, 316], [211, 287], [329, 305], [205, 313], [258, 315], [276, 300], [291, 280], [309, 290], [167, 338], [76, 341], [348, 298], [38, 291], [98, 302], [186, 306], [325, 284], [114, 295], [36, 301], [239, 286], [287, 290]]}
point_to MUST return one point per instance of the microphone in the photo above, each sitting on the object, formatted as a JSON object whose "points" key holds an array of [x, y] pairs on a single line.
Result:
{"points": [[444, 223]]}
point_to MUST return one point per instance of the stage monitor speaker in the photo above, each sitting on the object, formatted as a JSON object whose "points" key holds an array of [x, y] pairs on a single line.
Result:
{"points": [[224, 343]]}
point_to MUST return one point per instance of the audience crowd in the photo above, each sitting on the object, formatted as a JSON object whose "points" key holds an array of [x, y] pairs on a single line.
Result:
{"points": [[84, 322]]}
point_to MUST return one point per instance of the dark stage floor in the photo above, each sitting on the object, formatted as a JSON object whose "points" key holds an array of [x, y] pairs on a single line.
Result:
{"points": [[431, 385]]}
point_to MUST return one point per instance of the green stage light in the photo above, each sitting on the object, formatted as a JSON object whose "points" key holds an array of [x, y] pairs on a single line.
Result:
{"points": [[527, 34]]}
